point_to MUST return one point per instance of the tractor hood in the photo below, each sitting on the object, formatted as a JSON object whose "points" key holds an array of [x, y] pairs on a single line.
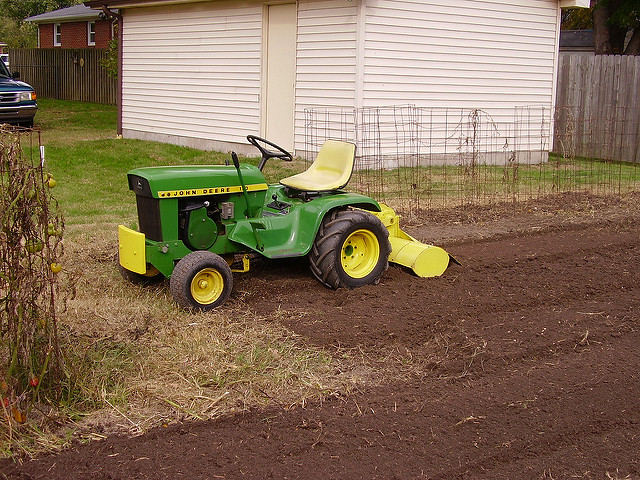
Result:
{"points": [[193, 180]]}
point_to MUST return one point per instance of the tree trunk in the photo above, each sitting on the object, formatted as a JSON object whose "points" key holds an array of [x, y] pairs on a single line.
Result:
{"points": [[601, 43], [607, 38]]}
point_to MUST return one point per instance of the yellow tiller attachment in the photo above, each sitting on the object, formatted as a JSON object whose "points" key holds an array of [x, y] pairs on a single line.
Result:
{"points": [[425, 260]]}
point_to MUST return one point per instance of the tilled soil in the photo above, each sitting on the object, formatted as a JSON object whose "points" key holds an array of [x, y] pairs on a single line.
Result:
{"points": [[521, 364]]}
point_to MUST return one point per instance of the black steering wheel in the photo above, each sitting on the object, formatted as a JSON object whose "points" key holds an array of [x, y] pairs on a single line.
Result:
{"points": [[280, 152]]}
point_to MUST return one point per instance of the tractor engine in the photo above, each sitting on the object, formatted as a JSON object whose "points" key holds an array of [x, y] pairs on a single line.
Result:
{"points": [[193, 204], [200, 221]]}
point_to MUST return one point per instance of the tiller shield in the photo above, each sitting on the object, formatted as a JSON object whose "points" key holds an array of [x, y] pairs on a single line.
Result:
{"points": [[425, 260]]}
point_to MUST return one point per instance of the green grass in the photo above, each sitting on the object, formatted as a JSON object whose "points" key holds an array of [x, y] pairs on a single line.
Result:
{"points": [[92, 177], [75, 118], [90, 162], [454, 185]]}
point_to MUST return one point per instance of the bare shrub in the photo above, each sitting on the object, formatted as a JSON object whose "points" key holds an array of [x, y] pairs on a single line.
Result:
{"points": [[30, 246]]}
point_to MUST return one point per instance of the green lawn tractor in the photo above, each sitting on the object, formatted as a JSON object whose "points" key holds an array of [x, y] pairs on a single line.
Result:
{"points": [[199, 224]]}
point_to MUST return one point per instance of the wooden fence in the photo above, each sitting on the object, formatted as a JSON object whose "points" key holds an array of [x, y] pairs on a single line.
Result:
{"points": [[598, 107], [65, 74]]}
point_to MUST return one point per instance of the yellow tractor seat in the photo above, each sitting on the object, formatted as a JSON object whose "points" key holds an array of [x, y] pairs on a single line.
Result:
{"points": [[331, 169]]}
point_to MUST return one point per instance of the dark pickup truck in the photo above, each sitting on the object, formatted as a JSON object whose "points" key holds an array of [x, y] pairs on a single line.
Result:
{"points": [[17, 99]]}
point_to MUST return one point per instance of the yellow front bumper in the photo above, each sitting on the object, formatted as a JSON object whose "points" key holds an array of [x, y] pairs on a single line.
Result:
{"points": [[132, 250]]}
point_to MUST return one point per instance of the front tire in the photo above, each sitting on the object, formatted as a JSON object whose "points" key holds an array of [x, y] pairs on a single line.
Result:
{"points": [[351, 249], [201, 280]]}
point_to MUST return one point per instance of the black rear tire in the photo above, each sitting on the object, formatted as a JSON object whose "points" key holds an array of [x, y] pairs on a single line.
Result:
{"points": [[201, 280], [351, 249]]}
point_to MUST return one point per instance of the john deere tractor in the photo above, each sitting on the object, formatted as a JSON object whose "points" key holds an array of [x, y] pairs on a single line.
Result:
{"points": [[199, 224]]}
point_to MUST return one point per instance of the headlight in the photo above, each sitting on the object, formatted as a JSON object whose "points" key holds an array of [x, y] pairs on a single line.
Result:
{"points": [[27, 96]]}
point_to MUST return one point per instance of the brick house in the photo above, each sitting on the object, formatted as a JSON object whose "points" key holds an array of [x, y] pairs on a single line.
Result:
{"points": [[73, 27]]}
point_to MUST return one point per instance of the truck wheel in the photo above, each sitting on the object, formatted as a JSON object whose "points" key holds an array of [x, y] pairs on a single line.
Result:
{"points": [[151, 277], [201, 280], [351, 249]]}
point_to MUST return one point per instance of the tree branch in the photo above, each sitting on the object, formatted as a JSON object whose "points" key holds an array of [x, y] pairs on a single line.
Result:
{"points": [[633, 47]]}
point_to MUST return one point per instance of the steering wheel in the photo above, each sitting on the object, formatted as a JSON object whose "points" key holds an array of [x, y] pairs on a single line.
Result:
{"points": [[280, 152]]}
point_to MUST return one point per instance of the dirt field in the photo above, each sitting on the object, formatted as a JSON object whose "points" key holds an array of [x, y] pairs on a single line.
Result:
{"points": [[521, 364]]}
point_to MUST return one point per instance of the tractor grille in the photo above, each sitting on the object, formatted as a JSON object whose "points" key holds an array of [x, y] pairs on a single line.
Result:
{"points": [[139, 185], [149, 217], [9, 97]]}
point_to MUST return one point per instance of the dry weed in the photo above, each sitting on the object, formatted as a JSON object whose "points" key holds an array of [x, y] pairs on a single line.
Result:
{"points": [[140, 361]]}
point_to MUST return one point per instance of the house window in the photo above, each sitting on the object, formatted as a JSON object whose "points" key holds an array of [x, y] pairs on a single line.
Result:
{"points": [[57, 35], [91, 33]]}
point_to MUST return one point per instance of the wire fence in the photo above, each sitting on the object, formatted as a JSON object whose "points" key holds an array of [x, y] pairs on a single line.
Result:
{"points": [[417, 158]]}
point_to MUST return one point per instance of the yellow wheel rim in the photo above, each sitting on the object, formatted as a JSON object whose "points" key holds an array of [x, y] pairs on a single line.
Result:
{"points": [[207, 286], [360, 253]]}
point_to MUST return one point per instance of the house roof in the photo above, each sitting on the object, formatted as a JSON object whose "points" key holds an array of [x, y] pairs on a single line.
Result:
{"points": [[132, 3], [135, 3], [69, 14], [576, 40]]}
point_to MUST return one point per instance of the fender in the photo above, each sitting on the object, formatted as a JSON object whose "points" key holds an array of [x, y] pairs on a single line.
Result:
{"points": [[293, 234]]}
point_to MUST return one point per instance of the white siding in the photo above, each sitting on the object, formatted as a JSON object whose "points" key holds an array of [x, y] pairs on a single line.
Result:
{"points": [[326, 63], [192, 71], [493, 55], [326, 57], [489, 54]]}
